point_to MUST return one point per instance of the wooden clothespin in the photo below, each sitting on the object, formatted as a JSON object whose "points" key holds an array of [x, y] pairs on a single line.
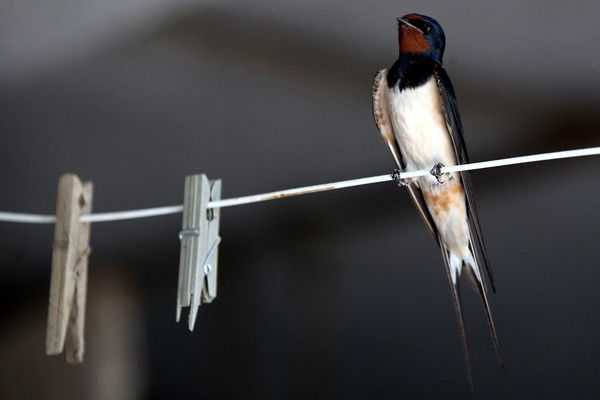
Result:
{"points": [[68, 284], [199, 244]]}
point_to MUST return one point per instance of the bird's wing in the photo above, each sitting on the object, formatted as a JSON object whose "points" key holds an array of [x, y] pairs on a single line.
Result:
{"points": [[382, 116], [454, 124], [383, 122]]}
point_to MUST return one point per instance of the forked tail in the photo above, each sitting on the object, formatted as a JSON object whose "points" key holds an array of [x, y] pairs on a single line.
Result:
{"points": [[454, 266]]}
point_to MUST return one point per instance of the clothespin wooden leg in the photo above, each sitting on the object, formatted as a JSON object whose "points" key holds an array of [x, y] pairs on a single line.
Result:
{"points": [[184, 278], [194, 227], [211, 263], [68, 284]]}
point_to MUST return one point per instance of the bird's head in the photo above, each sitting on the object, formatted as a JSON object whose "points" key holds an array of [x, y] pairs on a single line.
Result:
{"points": [[422, 35]]}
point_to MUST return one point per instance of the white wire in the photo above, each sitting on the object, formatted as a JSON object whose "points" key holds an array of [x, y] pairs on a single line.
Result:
{"points": [[404, 175], [27, 218], [131, 214], [154, 212]]}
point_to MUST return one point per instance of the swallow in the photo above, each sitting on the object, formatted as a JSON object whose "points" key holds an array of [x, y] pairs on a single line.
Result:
{"points": [[416, 111]]}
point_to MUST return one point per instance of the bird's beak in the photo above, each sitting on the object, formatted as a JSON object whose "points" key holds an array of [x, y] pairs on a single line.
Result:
{"points": [[408, 24]]}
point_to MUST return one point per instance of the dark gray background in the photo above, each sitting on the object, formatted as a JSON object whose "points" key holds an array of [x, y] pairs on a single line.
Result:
{"points": [[333, 295]]}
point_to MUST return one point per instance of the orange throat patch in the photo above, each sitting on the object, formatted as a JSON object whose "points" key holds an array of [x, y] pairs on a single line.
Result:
{"points": [[412, 40]]}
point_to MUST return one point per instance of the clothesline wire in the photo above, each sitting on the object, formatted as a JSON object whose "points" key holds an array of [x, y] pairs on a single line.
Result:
{"points": [[158, 211]]}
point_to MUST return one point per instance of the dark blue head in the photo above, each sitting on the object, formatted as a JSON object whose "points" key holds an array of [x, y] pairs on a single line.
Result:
{"points": [[422, 35]]}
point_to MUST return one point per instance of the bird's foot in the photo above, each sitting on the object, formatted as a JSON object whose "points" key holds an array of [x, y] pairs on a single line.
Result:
{"points": [[436, 171], [401, 182]]}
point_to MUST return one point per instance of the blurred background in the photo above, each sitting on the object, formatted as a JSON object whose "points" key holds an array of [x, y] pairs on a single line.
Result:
{"points": [[332, 295]]}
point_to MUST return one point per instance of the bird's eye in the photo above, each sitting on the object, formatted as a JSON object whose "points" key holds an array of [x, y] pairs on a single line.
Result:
{"points": [[428, 28]]}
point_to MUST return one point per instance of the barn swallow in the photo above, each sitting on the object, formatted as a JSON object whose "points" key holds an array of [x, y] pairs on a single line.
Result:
{"points": [[416, 111]]}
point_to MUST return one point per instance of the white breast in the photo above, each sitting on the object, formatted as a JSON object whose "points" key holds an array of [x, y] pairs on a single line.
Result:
{"points": [[420, 127]]}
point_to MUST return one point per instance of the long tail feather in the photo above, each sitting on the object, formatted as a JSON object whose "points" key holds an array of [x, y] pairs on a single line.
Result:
{"points": [[454, 289], [488, 314]]}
